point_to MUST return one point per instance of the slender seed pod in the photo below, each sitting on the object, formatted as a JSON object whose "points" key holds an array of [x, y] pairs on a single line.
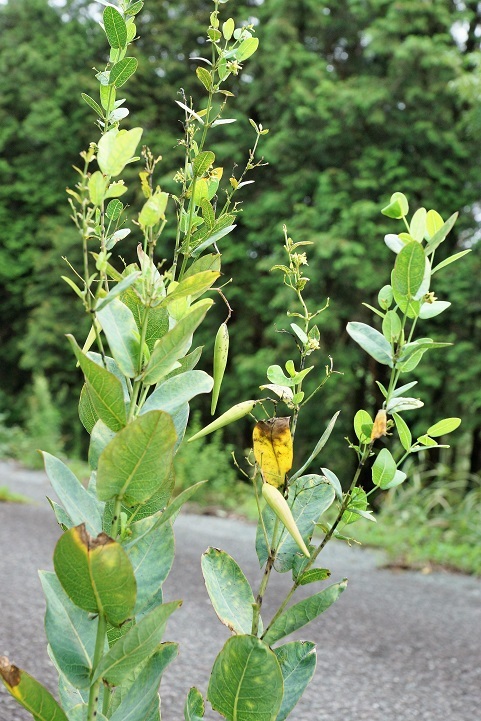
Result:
{"points": [[233, 414], [221, 351], [279, 505]]}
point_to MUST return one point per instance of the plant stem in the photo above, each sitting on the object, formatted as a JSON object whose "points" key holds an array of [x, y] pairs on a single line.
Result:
{"points": [[98, 653], [326, 539], [265, 579]]}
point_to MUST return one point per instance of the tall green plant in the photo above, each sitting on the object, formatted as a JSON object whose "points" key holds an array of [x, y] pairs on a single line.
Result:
{"points": [[105, 616]]}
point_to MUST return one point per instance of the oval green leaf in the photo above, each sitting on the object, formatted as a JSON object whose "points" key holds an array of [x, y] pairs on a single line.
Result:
{"points": [[447, 425]]}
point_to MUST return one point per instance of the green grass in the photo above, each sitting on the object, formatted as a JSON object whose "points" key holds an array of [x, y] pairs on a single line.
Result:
{"points": [[7, 496], [433, 519]]}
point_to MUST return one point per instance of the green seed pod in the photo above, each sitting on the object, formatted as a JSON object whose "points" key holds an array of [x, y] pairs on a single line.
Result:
{"points": [[233, 414], [221, 351], [279, 505]]}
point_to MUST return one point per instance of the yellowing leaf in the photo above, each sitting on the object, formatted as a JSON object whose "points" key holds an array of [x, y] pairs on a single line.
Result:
{"points": [[273, 449]]}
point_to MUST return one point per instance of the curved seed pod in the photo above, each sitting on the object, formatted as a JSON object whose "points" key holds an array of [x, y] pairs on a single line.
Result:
{"points": [[273, 451], [221, 351], [279, 505], [233, 414]]}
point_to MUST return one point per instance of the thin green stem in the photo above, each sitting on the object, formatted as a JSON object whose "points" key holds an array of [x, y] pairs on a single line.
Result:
{"points": [[98, 653]]}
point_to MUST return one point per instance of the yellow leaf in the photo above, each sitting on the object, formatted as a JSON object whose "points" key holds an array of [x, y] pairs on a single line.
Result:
{"points": [[273, 449]]}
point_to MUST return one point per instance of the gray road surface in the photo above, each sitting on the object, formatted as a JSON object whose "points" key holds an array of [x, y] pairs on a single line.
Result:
{"points": [[397, 646]]}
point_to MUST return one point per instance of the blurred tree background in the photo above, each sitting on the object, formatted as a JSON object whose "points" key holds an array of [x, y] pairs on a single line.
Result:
{"points": [[362, 98]]}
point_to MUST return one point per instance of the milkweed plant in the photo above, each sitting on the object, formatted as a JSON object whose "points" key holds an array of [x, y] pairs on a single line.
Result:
{"points": [[105, 616]]}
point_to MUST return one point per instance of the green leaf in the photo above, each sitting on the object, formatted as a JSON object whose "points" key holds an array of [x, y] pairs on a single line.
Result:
{"points": [[398, 206], [228, 29], [138, 645], [96, 574], [246, 681], [151, 554], [383, 469], [403, 404], [372, 342], [194, 706], [30, 693], [174, 506], [246, 49], [447, 425], [211, 239], [193, 285], [115, 27], [440, 235], [391, 326], [142, 694], [334, 481], [153, 210], [100, 438], [407, 306], [431, 310], [86, 410], [276, 375], [77, 501], [120, 327], [116, 148], [122, 71], [135, 8], [205, 78], [118, 288], [409, 270], [104, 389], [399, 477], [309, 497], [403, 389], [303, 612], [172, 393], [202, 163], [357, 503], [97, 185], [71, 633], [174, 344], [318, 448], [385, 297], [130, 467], [417, 227], [403, 430], [313, 575], [157, 319], [297, 660], [363, 426], [229, 590], [114, 209], [95, 106], [450, 260], [434, 222]]}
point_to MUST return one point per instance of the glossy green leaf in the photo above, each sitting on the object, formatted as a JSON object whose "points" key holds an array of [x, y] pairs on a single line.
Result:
{"points": [[71, 633], [409, 270], [371, 341], [246, 49], [383, 469], [334, 481], [93, 104], [397, 207], [100, 438], [229, 590], [313, 575], [276, 375], [138, 645], [96, 574], [30, 693], [431, 310], [318, 447], [363, 426], [142, 695], [105, 390], [297, 660], [440, 235], [447, 425], [246, 681], [115, 27], [116, 148], [450, 260], [174, 344], [172, 393], [417, 227], [137, 462], [303, 612], [122, 71], [309, 497], [193, 285], [151, 554], [202, 162], [78, 503], [403, 430], [434, 222], [97, 185], [194, 706], [391, 326], [120, 327]]}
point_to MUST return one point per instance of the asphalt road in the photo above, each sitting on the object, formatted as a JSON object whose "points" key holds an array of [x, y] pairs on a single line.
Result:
{"points": [[397, 646]]}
